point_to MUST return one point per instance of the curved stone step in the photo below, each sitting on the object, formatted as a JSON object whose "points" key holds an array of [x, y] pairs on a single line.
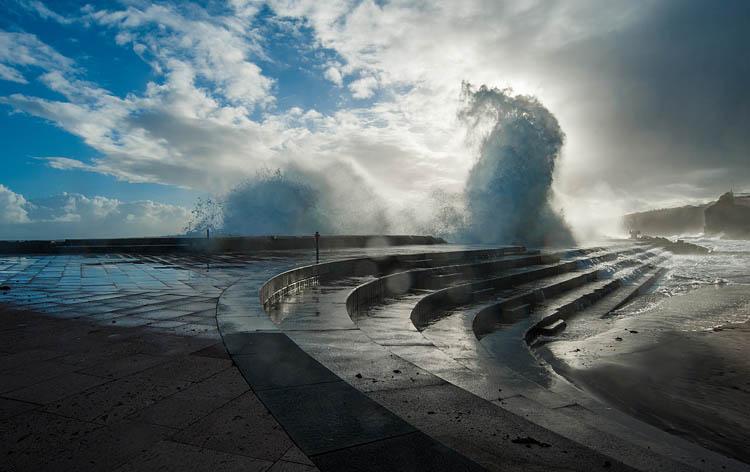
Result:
{"points": [[413, 380], [597, 292], [399, 283], [523, 397], [391, 380], [389, 324], [432, 306], [536, 292], [298, 278], [456, 334]]}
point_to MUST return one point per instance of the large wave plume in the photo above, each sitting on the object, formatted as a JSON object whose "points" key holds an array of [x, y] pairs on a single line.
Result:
{"points": [[507, 192]]}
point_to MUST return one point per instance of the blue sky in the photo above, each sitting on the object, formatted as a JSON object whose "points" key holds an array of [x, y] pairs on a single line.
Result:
{"points": [[116, 115], [291, 60]]}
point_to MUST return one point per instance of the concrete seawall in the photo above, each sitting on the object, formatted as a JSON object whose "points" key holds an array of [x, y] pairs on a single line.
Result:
{"points": [[212, 245]]}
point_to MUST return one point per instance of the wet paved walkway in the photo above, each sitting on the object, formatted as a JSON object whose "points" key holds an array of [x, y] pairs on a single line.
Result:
{"points": [[114, 362], [76, 394]]}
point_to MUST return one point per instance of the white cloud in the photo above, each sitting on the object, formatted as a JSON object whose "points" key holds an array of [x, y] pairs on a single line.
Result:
{"points": [[23, 50], [364, 87], [334, 75], [12, 75], [71, 215], [217, 49], [13, 207], [45, 12]]}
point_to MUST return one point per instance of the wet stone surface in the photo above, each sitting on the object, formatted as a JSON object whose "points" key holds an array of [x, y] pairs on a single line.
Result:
{"points": [[115, 362]]}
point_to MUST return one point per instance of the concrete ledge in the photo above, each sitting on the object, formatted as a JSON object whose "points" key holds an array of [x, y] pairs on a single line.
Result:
{"points": [[214, 245], [287, 282], [569, 309], [401, 282]]}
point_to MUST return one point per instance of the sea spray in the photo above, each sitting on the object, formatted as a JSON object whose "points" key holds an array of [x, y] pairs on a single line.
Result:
{"points": [[294, 201], [505, 198], [507, 192], [273, 203]]}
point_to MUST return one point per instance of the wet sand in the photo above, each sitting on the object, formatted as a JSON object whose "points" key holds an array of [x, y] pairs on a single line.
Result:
{"points": [[694, 384]]}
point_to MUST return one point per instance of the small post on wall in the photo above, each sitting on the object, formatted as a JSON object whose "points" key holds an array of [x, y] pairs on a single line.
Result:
{"points": [[317, 247]]}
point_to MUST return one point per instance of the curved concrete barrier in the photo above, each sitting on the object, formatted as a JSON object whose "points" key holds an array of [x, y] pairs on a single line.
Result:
{"points": [[486, 320], [416, 376], [294, 279], [399, 283], [565, 312]]}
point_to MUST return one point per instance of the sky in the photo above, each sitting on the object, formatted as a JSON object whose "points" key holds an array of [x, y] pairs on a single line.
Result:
{"points": [[116, 116]]}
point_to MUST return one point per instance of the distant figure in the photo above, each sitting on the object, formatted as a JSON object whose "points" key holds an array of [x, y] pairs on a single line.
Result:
{"points": [[635, 234]]}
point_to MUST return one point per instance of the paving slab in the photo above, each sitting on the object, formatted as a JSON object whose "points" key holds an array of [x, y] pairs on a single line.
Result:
{"points": [[278, 362], [329, 416], [101, 449], [30, 374], [409, 452], [56, 388], [37, 431], [485, 432], [9, 408], [115, 400], [26, 357], [241, 426], [179, 410], [294, 454], [284, 466], [186, 367], [194, 393], [171, 456], [116, 367]]}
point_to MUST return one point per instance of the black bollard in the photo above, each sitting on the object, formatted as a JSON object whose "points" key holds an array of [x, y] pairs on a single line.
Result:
{"points": [[317, 247]]}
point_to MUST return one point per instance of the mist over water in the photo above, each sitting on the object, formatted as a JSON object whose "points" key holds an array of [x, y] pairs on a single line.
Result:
{"points": [[508, 189], [505, 200], [293, 201]]}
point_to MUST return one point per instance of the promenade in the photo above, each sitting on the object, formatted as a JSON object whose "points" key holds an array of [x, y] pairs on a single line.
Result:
{"points": [[215, 362]]}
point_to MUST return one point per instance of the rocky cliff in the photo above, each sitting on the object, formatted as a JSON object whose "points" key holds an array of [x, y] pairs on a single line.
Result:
{"points": [[729, 217], [667, 221]]}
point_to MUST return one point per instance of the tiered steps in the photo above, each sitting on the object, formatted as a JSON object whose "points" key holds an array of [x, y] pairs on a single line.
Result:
{"points": [[406, 331]]}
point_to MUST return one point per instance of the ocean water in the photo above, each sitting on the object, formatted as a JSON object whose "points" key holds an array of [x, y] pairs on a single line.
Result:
{"points": [[676, 356], [726, 269]]}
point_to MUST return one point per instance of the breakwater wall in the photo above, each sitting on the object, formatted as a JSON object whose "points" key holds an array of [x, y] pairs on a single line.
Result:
{"points": [[209, 245]]}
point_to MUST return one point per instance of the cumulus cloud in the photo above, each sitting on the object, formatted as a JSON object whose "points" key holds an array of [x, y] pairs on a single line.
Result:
{"points": [[364, 87], [72, 215], [334, 75], [13, 207]]}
